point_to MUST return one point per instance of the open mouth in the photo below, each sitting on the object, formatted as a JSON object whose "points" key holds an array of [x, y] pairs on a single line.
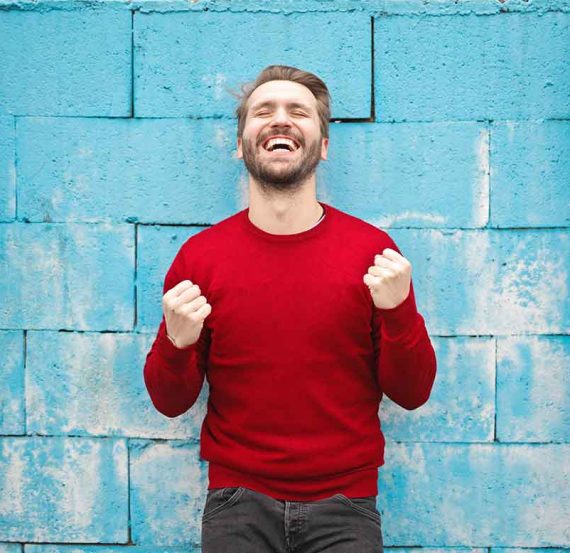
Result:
{"points": [[279, 152], [281, 146]]}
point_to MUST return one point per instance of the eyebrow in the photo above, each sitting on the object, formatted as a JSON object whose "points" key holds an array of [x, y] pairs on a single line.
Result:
{"points": [[271, 103]]}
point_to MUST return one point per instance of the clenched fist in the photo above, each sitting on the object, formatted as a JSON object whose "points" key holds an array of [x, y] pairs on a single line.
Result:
{"points": [[389, 279], [184, 311]]}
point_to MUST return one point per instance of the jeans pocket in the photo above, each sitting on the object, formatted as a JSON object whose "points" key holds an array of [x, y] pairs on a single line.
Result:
{"points": [[363, 505], [220, 499]]}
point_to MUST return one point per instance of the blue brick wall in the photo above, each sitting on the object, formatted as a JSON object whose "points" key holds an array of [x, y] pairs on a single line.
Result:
{"points": [[451, 130]]}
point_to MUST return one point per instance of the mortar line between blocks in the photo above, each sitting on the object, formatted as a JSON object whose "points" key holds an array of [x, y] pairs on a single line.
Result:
{"points": [[133, 63], [135, 322]]}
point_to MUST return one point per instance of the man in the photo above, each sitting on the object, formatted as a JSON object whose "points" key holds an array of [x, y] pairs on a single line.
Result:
{"points": [[301, 316]]}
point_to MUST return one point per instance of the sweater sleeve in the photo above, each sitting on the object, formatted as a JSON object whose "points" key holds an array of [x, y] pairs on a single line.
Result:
{"points": [[174, 377], [405, 358]]}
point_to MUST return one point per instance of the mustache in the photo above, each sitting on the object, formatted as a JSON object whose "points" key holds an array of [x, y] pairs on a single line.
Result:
{"points": [[281, 133]]}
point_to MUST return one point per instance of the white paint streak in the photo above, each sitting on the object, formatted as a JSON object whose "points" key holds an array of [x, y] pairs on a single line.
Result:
{"points": [[76, 185], [549, 392], [120, 461], [42, 272], [57, 198], [84, 152], [82, 473], [155, 462], [92, 395], [11, 202], [217, 81], [77, 477], [38, 419], [221, 137], [388, 221], [511, 127], [530, 290], [476, 250], [545, 516], [481, 188], [243, 190], [12, 484]]}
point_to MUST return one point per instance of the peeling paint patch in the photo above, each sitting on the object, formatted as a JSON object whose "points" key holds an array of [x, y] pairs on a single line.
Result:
{"points": [[63, 489], [533, 401], [92, 384], [168, 489], [461, 404], [412, 216]]}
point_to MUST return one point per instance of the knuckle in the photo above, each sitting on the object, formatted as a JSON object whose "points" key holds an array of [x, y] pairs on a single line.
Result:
{"points": [[194, 317]]}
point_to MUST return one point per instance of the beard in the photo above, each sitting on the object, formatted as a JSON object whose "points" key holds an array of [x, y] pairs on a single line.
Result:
{"points": [[281, 174]]}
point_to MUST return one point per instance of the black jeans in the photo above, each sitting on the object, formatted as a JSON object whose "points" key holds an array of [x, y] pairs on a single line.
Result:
{"points": [[241, 520]]}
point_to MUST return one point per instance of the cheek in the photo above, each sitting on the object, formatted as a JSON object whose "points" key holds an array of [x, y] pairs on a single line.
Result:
{"points": [[252, 130]]}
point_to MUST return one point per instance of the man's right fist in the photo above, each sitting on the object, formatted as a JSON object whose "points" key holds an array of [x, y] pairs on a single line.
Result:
{"points": [[185, 311]]}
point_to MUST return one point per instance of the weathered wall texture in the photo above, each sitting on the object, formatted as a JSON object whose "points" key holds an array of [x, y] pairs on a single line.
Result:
{"points": [[117, 142]]}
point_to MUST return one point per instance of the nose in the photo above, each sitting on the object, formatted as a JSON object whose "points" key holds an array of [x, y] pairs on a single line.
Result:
{"points": [[280, 117]]}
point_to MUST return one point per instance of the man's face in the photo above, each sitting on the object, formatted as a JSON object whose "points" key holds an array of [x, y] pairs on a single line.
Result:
{"points": [[286, 109]]}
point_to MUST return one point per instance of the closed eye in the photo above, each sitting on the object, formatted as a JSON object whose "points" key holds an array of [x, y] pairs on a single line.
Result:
{"points": [[262, 113]]}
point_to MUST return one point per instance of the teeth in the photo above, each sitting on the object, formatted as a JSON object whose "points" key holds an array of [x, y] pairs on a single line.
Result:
{"points": [[269, 146]]}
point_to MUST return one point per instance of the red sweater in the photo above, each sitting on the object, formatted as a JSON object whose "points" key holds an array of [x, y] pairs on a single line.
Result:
{"points": [[296, 355]]}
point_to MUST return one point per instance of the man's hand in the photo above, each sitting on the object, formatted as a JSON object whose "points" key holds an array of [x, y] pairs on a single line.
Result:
{"points": [[389, 279], [185, 311]]}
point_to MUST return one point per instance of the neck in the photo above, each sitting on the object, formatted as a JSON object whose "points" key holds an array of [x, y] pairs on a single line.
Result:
{"points": [[284, 214]]}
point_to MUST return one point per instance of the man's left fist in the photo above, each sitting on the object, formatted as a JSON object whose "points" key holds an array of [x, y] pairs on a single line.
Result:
{"points": [[389, 279]]}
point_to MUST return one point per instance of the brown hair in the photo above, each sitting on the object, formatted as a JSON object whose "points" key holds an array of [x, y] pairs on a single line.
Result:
{"points": [[286, 73]]}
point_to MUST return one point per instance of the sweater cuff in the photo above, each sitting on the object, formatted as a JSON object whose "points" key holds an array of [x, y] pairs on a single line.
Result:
{"points": [[401, 320], [177, 358]]}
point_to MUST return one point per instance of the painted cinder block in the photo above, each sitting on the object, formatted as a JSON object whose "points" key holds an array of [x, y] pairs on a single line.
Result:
{"points": [[12, 402], [533, 389], [7, 169], [472, 67], [157, 247], [11, 548], [410, 174], [90, 383], [527, 550], [75, 62], [461, 407], [72, 276], [184, 62], [156, 171], [490, 282], [37, 548], [530, 173], [475, 495], [168, 484], [417, 9], [440, 550], [57, 489]]}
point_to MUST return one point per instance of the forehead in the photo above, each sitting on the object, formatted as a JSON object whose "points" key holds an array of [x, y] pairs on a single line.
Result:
{"points": [[282, 92]]}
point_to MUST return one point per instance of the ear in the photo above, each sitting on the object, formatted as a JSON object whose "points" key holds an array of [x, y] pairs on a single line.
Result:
{"points": [[239, 148], [324, 148]]}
